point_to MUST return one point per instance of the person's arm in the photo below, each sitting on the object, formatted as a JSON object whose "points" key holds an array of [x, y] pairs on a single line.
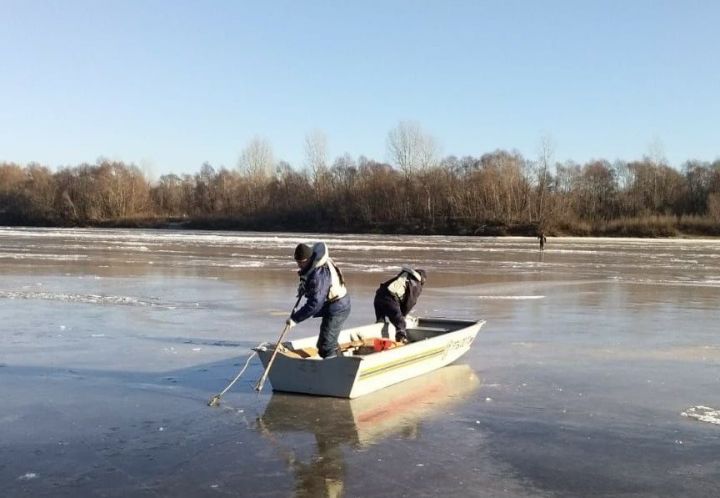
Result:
{"points": [[316, 290]]}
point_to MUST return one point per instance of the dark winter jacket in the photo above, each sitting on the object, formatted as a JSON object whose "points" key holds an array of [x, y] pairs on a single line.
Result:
{"points": [[405, 288], [323, 287]]}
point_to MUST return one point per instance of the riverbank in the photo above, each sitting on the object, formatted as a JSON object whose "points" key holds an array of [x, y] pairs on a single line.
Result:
{"points": [[640, 227]]}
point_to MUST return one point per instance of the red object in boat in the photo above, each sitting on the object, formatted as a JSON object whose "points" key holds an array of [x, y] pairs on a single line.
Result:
{"points": [[382, 344]]}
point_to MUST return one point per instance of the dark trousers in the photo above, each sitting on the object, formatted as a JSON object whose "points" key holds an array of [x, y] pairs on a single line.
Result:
{"points": [[387, 306], [330, 327]]}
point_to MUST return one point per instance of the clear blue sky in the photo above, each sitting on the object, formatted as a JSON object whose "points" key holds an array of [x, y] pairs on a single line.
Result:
{"points": [[171, 84]]}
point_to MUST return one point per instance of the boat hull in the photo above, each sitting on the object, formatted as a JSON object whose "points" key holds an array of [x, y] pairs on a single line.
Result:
{"points": [[436, 342]]}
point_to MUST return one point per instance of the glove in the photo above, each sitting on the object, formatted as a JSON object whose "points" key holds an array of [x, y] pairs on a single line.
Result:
{"points": [[290, 322]]}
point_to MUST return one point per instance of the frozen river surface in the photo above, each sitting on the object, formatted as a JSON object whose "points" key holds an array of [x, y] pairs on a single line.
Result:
{"points": [[112, 342]]}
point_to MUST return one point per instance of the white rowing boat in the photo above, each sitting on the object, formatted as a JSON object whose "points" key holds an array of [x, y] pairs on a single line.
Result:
{"points": [[434, 343]]}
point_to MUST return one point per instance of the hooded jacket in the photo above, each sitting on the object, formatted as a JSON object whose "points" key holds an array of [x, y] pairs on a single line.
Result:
{"points": [[322, 285], [405, 288]]}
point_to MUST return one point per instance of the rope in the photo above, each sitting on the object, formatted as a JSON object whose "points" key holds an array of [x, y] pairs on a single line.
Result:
{"points": [[215, 400], [238, 375]]}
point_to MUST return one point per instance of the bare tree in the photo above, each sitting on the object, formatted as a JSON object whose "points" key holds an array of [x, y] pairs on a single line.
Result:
{"points": [[595, 191], [316, 156], [256, 159], [168, 195], [547, 149], [713, 209], [656, 158], [656, 152], [410, 148]]}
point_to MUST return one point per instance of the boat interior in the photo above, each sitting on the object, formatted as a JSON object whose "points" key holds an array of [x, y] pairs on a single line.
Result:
{"points": [[374, 338]]}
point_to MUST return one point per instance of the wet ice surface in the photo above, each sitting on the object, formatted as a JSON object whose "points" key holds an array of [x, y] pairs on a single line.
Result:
{"points": [[113, 340]]}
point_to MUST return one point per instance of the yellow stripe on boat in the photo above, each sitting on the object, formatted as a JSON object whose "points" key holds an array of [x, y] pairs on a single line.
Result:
{"points": [[385, 367]]}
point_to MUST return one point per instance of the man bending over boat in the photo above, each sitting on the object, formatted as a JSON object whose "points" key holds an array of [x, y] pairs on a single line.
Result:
{"points": [[326, 297], [395, 298]]}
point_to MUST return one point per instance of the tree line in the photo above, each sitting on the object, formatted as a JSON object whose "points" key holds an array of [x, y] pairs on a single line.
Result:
{"points": [[496, 193]]}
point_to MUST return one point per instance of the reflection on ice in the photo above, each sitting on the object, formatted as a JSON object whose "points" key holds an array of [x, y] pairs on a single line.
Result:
{"points": [[365, 420], [398, 411]]}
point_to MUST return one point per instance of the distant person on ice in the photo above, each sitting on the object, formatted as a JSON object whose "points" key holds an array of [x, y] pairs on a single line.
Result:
{"points": [[326, 297], [395, 298], [542, 239]]}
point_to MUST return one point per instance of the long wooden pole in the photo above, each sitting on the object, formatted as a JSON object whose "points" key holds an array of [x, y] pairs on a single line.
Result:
{"points": [[261, 382]]}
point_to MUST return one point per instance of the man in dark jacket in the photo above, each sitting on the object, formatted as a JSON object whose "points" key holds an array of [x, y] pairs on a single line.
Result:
{"points": [[541, 237], [322, 285], [395, 298]]}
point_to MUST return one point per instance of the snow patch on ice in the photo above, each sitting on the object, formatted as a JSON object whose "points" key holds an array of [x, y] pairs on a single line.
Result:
{"points": [[86, 299], [508, 298], [50, 257], [221, 264], [703, 414]]}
